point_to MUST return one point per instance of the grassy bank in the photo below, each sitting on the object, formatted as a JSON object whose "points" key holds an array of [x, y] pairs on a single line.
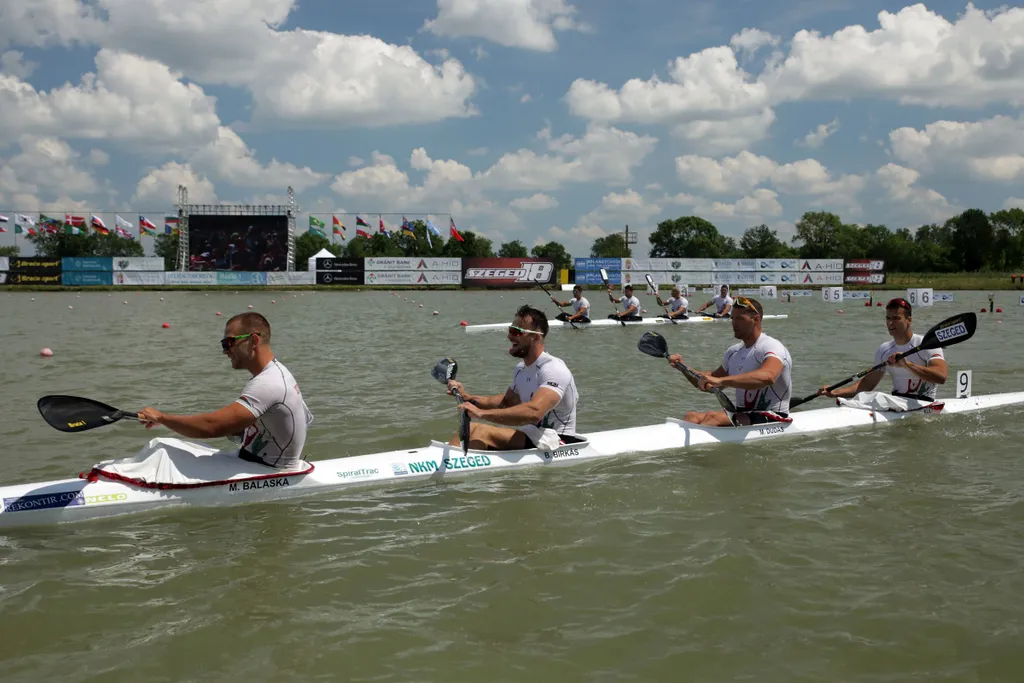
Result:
{"points": [[982, 281]]}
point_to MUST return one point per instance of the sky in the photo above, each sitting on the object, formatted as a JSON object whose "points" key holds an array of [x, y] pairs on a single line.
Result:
{"points": [[534, 120]]}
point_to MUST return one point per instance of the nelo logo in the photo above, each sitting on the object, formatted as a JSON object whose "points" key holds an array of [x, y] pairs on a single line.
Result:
{"points": [[528, 272]]}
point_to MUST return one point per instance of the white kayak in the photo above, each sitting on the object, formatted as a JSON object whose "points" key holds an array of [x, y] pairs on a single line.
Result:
{"points": [[171, 472], [608, 322]]}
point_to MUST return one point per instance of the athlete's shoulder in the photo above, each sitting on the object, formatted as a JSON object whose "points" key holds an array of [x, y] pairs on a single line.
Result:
{"points": [[770, 345]]}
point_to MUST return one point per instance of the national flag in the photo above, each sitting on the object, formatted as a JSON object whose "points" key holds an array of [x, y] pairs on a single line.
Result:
{"points": [[51, 225], [361, 222], [21, 221], [339, 227], [362, 233], [72, 230], [171, 225], [454, 231], [382, 228], [122, 223], [3, 218], [98, 225], [315, 225], [77, 221], [146, 225], [407, 228]]}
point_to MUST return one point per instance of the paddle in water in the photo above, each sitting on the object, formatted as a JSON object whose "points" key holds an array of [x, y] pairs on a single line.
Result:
{"points": [[541, 285], [444, 372], [952, 330], [650, 283], [653, 344], [76, 414], [604, 278]]}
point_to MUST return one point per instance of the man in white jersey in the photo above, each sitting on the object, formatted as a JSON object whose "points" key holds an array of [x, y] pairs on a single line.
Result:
{"points": [[270, 414], [723, 304], [542, 394], [676, 304], [915, 376], [580, 307], [758, 368], [630, 304]]}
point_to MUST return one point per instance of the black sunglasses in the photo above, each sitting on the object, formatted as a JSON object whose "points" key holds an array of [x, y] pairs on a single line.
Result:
{"points": [[227, 342]]}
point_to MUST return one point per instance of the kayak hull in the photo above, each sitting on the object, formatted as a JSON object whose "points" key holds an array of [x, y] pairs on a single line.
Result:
{"points": [[78, 499], [608, 322]]}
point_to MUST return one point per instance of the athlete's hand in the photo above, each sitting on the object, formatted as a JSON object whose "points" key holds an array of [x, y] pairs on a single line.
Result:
{"points": [[454, 386], [708, 382], [471, 409], [895, 360], [150, 417], [824, 391], [675, 359], [554, 300]]}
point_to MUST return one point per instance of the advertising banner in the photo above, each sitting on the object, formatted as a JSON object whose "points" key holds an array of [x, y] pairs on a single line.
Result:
{"points": [[377, 263], [817, 265], [734, 278], [86, 278], [807, 278], [593, 277], [5, 263], [329, 278], [41, 279], [864, 278], [608, 264], [507, 272], [337, 265], [241, 277], [865, 264], [138, 263], [668, 264], [777, 264], [295, 277], [36, 265], [777, 277], [140, 278], [177, 277], [742, 264], [97, 263], [413, 277]]}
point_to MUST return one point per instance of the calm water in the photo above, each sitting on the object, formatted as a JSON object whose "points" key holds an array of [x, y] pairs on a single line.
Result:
{"points": [[888, 554]]}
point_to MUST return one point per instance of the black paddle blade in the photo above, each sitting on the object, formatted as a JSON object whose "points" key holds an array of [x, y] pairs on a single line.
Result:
{"points": [[953, 330], [653, 344], [445, 370], [76, 414], [464, 431]]}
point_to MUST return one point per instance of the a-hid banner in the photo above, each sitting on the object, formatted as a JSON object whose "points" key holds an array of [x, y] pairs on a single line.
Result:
{"points": [[593, 277], [44, 279], [777, 264], [817, 265], [140, 278], [507, 272], [865, 264], [379, 263], [138, 263], [241, 277], [94, 263], [828, 278], [36, 265], [336, 278], [864, 278], [294, 277], [200, 278], [608, 264], [86, 278], [340, 264], [413, 277]]}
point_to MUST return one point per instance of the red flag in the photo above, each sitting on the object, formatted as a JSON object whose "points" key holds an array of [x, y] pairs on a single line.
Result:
{"points": [[362, 233], [455, 233]]}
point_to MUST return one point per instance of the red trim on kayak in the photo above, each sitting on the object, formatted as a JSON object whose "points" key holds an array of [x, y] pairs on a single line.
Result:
{"points": [[96, 473]]}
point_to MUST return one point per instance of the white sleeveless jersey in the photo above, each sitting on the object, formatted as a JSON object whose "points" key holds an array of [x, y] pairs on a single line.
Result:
{"points": [[903, 380], [739, 359], [631, 301], [581, 304], [279, 433], [549, 373], [721, 302], [674, 304]]}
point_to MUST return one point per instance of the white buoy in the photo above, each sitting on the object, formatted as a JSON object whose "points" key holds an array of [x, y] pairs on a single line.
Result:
{"points": [[46, 353]]}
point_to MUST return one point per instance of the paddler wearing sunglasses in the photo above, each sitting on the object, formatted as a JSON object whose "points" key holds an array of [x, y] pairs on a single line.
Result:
{"points": [[539, 407], [270, 414], [630, 304], [758, 368], [915, 376]]}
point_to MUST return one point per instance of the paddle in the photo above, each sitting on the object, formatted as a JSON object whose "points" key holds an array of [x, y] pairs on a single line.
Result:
{"points": [[551, 297], [952, 330], [76, 414], [444, 372], [604, 278], [650, 283], [653, 344]]}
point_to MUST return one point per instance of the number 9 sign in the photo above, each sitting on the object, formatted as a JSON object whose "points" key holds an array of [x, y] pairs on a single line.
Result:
{"points": [[963, 384]]}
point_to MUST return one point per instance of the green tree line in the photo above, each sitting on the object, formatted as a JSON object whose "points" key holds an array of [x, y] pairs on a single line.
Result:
{"points": [[971, 241]]}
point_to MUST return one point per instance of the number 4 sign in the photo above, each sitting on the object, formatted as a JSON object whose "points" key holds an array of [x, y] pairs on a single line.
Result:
{"points": [[963, 384]]}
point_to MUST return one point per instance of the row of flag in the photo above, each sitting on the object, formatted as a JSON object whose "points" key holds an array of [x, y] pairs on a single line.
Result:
{"points": [[318, 227], [76, 225]]}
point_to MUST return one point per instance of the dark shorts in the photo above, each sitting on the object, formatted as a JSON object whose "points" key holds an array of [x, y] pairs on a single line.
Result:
{"points": [[757, 417], [564, 317], [678, 317], [566, 438], [625, 317]]}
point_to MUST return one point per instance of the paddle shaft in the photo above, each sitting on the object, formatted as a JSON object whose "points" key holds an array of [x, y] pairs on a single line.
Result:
{"points": [[668, 315], [604, 278], [862, 373], [551, 297], [724, 400]]}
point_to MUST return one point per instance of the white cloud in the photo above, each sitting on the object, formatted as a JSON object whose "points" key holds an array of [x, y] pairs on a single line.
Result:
{"points": [[757, 204], [750, 40], [48, 167], [991, 149], [537, 202], [900, 184], [816, 138], [1014, 203], [231, 160], [159, 187], [528, 24], [129, 99], [355, 162], [97, 157], [13, 62]]}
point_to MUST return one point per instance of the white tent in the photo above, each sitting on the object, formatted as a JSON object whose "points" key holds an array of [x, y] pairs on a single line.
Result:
{"points": [[323, 253]]}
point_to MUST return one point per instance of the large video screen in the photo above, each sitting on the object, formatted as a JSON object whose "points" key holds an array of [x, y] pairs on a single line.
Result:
{"points": [[252, 243]]}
